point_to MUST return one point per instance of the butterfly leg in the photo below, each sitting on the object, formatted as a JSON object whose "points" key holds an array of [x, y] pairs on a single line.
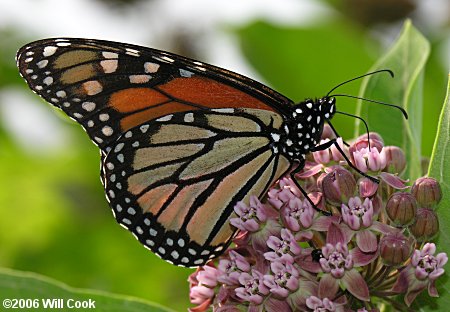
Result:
{"points": [[326, 145], [292, 174]]}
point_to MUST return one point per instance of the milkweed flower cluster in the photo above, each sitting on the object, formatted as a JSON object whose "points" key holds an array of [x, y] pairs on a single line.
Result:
{"points": [[375, 247]]}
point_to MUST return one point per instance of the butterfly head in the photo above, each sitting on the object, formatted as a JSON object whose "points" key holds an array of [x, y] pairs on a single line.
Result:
{"points": [[326, 107]]}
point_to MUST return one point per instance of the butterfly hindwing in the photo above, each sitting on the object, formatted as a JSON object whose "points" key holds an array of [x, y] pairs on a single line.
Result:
{"points": [[174, 181]]}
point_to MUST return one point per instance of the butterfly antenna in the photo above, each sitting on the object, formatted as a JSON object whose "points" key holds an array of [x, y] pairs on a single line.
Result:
{"points": [[405, 114], [360, 118], [362, 76]]}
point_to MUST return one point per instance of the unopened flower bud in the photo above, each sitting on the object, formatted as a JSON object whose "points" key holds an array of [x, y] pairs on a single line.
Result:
{"points": [[426, 224], [395, 248], [401, 208], [338, 186], [427, 192], [395, 159]]}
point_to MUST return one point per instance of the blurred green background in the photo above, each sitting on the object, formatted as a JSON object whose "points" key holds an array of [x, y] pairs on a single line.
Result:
{"points": [[54, 219]]}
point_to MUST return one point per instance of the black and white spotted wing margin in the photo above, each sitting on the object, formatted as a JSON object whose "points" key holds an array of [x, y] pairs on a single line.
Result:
{"points": [[174, 181]]}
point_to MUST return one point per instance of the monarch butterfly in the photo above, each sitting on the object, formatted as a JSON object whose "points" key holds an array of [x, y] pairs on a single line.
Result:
{"points": [[181, 141]]}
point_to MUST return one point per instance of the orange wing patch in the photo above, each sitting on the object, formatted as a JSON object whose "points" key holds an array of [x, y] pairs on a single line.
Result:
{"points": [[211, 93], [179, 95]]}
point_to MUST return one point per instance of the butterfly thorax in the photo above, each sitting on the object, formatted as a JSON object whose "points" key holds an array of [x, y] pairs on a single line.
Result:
{"points": [[303, 129]]}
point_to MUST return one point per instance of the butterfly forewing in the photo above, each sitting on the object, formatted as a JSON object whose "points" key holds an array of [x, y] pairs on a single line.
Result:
{"points": [[174, 181], [109, 88], [184, 141]]}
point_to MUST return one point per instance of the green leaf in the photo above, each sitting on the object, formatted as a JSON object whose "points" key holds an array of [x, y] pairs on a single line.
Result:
{"points": [[25, 285], [406, 59], [440, 170]]}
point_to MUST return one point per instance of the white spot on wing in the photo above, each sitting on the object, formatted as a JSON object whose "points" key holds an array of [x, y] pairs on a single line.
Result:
{"points": [[48, 80], [140, 78], [42, 64], [132, 52], [50, 50], [110, 55], [150, 67], [165, 118], [189, 117], [168, 59], [107, 130], [92, 87], [63, 44], [275, 137], [109, 66], [88, 106], [185, 73], [61, 94], [103, 117], [184, 260], [224, 110], [118, 148]]}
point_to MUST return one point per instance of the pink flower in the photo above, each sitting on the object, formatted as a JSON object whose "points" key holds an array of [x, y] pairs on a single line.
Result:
{"points": [[336, 259], [283, 280], [283, 249], [203, 281], [428, 266], [369, 159], [250, 217], [323, 305], [232, 268], [253, 289], [297, 214], [339, 266], [421, 273], [200, 294], [287, 190], [357, 214]]}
